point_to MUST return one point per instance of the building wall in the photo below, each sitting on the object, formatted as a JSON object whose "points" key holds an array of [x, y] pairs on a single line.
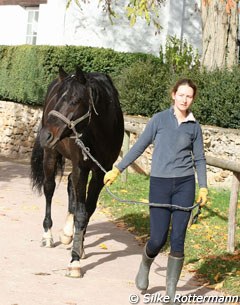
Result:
{"points": [[185, 21], [90, 26], [13, 20]]}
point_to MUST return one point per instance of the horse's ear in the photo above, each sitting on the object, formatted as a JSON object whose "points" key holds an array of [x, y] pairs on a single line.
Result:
{"points": [[80, 76], [62, 73]]}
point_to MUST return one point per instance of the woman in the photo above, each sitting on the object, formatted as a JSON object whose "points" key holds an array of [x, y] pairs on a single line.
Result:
{"points": [[178, 151]]}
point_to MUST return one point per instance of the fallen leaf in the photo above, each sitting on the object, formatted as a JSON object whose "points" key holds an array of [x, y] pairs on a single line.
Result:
{"points": [[217, 276], [103, 246], [208, 236], [217, 286], [120, 224], [141, 237], [197, 246], [131, 229], [194, 227]]}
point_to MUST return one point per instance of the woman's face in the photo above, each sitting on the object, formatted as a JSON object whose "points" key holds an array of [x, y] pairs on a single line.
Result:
{"points": [[183, 97]]}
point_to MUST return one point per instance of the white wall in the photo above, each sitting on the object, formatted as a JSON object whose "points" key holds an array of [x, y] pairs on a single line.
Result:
{"points": [[51, 23], [13, 20], [90, 26]]}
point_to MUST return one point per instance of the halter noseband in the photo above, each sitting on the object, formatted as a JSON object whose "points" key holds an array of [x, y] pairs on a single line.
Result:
{"points": [[70, 124]]}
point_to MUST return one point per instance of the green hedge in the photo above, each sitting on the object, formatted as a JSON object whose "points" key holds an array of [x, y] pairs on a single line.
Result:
{"points": [[218, 100], [143, 81], [145, 90], [26, 71], [21, 75]]}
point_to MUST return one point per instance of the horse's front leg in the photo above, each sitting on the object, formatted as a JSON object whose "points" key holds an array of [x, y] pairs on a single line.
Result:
{"points": [[48, 187], [66, 234], [79, 183]]}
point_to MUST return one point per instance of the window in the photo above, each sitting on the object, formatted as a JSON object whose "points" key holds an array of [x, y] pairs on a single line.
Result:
{"points": [[32, 24]]}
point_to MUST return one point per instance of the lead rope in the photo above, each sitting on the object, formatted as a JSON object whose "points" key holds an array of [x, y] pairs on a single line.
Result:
{"points": [[86, 151]]}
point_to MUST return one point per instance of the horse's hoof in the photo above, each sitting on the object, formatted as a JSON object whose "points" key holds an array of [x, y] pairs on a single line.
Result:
{"points": [[74, 270], [47, 243], [65, 239]]}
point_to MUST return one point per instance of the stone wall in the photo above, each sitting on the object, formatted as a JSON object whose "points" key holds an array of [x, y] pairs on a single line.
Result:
{"points": [[19, 125]]}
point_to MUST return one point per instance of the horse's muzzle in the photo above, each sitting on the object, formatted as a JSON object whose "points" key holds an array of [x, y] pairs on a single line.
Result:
{"points": [[47, 140]]}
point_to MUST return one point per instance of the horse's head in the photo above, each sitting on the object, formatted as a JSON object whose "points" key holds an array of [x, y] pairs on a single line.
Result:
{"points": [[67, 107]]}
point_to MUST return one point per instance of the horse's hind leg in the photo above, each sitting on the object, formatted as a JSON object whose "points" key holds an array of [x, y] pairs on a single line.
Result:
{"points": [[66, 234], [49, 165]]}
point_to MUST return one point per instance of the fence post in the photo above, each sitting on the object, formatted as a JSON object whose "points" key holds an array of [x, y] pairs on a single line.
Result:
{"points": [[232, 215], [125, 149]]}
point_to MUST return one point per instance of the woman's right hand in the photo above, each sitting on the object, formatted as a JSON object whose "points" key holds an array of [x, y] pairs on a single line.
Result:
{"points": [[111, 176]]}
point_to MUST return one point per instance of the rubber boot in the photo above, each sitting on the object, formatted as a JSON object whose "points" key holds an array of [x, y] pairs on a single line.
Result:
{"points": [[174, 268], [141, 280]]}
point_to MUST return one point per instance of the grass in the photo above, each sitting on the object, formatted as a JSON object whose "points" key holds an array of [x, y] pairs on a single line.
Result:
{"points": [[206, 241]]}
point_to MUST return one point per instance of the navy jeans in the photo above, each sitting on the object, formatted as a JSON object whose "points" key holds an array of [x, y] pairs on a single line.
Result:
{"points": [[177, 191]]}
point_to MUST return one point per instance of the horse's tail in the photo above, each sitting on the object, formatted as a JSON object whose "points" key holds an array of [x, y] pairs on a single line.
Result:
{"points": [[37, 172]]}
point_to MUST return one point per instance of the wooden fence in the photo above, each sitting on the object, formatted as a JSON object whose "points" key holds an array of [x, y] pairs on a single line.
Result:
{"points": [[234, 167]]}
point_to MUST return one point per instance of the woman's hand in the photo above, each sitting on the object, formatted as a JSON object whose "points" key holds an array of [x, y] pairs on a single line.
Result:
{"points": [[111, 176], [202, 196]]}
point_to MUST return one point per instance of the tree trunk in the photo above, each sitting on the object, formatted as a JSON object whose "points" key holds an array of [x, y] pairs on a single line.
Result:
{"points": [[220, 29]]}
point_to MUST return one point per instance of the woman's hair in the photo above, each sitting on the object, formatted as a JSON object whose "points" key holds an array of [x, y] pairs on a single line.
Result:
{"points": [[185, 81]]}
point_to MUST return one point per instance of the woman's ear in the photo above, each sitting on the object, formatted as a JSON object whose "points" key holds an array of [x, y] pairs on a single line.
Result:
{"points": [[173, 96]]}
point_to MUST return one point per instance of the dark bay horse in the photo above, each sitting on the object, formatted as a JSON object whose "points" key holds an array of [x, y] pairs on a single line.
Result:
{"points": [[84, 106]]}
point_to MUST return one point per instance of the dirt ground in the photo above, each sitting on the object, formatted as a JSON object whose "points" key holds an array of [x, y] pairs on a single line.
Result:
{"points": [[32, 275]]}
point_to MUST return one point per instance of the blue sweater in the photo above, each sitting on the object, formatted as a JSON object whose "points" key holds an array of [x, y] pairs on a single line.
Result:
{"points": [[178, 149]]}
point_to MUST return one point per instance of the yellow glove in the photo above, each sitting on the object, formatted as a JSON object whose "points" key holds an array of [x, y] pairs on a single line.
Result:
{"points": [[111, 176], [202, 196]]}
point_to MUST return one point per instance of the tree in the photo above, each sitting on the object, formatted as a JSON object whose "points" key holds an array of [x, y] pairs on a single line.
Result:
{"points": [[219, 26], [220, 33]]}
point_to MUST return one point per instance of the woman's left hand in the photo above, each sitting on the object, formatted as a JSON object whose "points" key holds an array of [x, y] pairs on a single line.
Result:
{"points": [[202, 196]]}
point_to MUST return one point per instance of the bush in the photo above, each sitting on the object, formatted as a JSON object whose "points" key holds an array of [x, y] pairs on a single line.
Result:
{"points": [[179, 55], [142, 88], [26, 71], [145, 86], [218, 99]]}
